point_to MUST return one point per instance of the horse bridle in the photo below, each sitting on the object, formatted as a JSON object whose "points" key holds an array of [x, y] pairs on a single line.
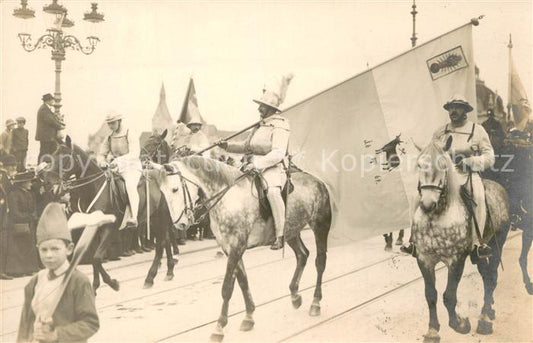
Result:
{"points": [[443, 190]]}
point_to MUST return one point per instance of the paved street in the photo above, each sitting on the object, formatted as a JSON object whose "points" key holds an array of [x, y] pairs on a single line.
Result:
{"points": [[369, 295]]}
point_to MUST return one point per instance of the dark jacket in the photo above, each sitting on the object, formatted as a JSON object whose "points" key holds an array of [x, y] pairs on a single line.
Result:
{"points": [[19, 139], [21, 206], [75, 318], [5, 189], [47, 125]]}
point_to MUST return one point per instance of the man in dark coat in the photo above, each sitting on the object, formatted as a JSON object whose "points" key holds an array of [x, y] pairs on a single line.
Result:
{"points": [[7, 170], [48, 124], [19, 143], [494, 129]]}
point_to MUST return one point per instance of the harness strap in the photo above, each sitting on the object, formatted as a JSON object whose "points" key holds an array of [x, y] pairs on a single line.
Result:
{"points": [[97, 196]]}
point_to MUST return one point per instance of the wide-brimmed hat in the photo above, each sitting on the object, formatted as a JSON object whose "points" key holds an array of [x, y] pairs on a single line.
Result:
{"points": [[24, 176], [47, 97], [10, 122], [458, 100], [113, 116], [20, 119], [53, 224], [8, 160], [274, 91]]}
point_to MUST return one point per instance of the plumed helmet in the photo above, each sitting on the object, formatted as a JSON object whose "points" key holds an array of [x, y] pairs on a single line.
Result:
{"points": [[458, 100], [275, 91], [113, 116], [53, 224]]}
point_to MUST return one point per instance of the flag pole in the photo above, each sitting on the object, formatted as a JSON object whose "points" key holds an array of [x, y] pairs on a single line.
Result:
{"points": [[229, 137], [414, 12], [509, 89]]}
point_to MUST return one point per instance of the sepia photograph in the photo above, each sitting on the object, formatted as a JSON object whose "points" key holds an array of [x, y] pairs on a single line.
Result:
{"points": [[266, 171]]}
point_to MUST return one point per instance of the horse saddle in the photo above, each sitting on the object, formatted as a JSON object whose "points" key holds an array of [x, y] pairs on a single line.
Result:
{"points": [[264, 205], [117, 189]]}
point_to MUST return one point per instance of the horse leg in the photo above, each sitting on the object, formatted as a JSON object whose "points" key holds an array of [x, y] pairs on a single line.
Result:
{"points": [[388, 241], [170, 261], [152, 272], [321, 240], [428, 273], [248, 321], [227, 291], [113, 283], [399, 241], [302, 254], [527, 237], [455, 272]]}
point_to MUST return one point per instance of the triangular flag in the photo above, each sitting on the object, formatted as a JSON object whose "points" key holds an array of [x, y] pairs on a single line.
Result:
{"points": [[189, 110]]}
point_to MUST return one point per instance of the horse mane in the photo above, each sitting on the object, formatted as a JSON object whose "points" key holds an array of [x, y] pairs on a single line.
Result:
{"points": [[212, 169]]}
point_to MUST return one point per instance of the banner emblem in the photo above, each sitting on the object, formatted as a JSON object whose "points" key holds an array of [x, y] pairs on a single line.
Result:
{"points": [[447, 63]]}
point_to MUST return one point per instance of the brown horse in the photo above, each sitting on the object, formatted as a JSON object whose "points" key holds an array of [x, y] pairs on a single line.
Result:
{"points": [[238, 225], [72, 170], [442, 232]]}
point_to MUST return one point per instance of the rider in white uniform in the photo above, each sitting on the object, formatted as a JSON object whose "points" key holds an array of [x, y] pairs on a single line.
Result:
{"points": [[121, 150], [267, 145]]}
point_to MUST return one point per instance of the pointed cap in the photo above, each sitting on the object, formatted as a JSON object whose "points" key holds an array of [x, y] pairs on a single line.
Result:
{"points": [[53, 224]]}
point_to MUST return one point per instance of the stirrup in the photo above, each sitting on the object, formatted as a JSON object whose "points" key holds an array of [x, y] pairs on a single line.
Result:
{"points": [[483, 251], [278, 244]]}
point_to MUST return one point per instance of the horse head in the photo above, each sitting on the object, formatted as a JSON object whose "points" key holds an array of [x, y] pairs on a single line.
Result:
{"points": [[435, 170], [156, 149], [67, 161]]}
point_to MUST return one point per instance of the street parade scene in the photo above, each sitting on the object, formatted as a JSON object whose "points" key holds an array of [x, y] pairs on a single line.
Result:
{"points": [[266, 171]]}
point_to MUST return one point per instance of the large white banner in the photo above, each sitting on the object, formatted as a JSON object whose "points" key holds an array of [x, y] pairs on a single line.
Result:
{"points": [[357, 136]]}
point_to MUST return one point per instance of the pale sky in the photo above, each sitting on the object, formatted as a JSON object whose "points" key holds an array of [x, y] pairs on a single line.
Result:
{"points": [[230, 48]]}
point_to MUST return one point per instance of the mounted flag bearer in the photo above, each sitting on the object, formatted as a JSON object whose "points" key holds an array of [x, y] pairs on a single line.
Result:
{"points": [[265, 150], [121, 150], [472, 153]]}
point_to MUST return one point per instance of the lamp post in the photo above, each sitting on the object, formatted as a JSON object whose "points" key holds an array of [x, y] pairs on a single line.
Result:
{"points": [[55, 39]]}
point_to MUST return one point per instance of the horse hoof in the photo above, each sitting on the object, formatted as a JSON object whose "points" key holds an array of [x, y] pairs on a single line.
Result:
{"points": [[484, 327], [462, 325], [399, 241], [114, 284], [169, 277], [431, 339], [296, 301], [314, 311], [247, 325], [388, 247], [216, 337], [529, 288], [148, 285]]}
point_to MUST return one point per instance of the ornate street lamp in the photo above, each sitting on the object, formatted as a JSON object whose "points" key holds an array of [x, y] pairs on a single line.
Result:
{"points": [[55, 39]]}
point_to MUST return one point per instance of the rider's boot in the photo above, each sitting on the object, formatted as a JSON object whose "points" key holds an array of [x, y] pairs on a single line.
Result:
{"points": [[278, 244]]}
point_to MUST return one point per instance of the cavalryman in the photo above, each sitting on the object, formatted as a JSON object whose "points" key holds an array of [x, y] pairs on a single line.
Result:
{"points": [[121, 149], [472, 153], [266, 150], [197, 140]]}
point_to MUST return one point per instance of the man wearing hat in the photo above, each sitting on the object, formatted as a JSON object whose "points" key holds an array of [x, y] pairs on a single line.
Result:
{"points": [[472, 153], [8, 165], [19, 147], [48, 124], [266, 149], [6, 138], [494, 129], [121, 150], [21, 253], [197, 140]]}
